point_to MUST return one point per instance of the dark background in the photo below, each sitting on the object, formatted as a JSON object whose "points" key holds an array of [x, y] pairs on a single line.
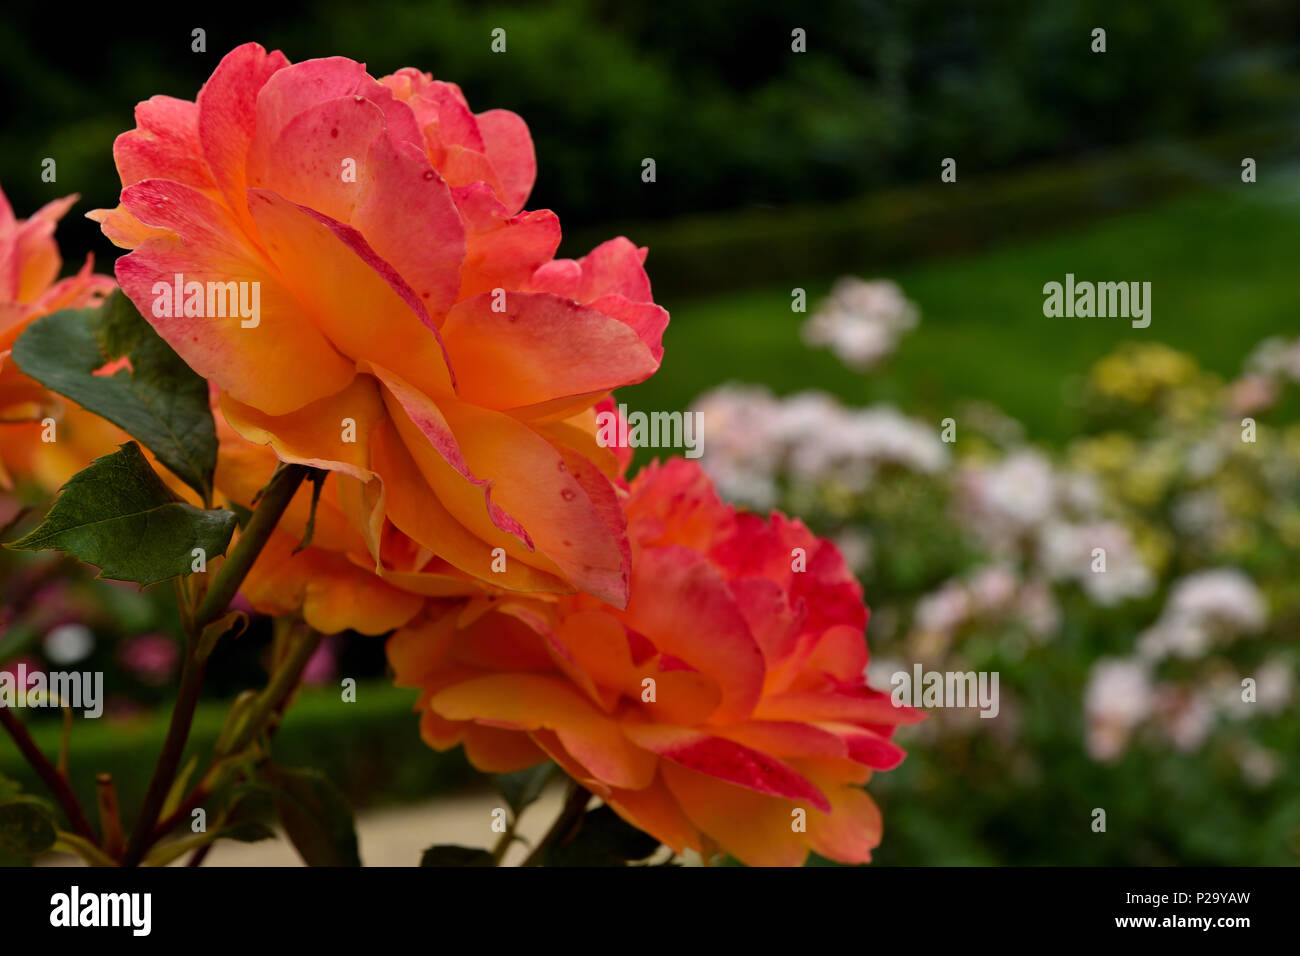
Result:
{"points": [[711, 90]]}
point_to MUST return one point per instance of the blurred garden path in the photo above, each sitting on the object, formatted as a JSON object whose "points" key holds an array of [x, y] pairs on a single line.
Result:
{"points": [[396, 836]]}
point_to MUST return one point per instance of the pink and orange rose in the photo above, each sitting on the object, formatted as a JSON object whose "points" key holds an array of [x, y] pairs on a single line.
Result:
{"points": [[725, 707], [416, 336]]}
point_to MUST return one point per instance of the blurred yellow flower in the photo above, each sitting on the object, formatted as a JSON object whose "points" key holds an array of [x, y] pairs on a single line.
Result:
{"points": [[1154, 545], [1138, 373], [1289, 528], [1151, 474], [1107, 454]]}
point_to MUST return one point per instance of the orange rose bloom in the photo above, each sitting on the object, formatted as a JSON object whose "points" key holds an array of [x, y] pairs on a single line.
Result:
{"points": [[401, 323], [725, 707], [29, 268]]}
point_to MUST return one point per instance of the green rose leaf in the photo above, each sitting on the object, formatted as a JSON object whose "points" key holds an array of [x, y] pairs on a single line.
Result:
{"points": [[315, 816], [250, 831], [159, 400], [119, 516], [448, 854], [26, 827], [603, 839], [523, 787]]}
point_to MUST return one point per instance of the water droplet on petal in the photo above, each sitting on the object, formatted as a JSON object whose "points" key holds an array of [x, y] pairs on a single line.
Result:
{"points": [[568, 494]]}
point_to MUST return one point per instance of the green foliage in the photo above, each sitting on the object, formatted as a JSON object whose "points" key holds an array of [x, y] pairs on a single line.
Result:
{"points": [[883, 92], [522, 788], [159, 400], [367, 746], [451, 855], [119, 516], [249, 831], [602, 838], [315, 815], [26, 826]]}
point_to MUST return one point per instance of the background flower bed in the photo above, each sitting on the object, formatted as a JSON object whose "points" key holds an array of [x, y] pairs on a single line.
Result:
{"points": [[1123, 687]]}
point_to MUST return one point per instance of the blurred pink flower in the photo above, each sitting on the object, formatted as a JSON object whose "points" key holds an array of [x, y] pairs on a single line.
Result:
{"points": [[1252, 393], [1186, 716], [321, 668], [150, 658], [23, 664]]}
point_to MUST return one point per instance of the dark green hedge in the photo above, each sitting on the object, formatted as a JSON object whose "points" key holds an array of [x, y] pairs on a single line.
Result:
{"points": [[883, 230], [370, 748]]}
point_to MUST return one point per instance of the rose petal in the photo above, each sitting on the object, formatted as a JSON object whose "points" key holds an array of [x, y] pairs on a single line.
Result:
{"points": [[509, 147], [204, 248], [531, 701], [164, 145], [681, 604], [726, 760], [540, 348]]}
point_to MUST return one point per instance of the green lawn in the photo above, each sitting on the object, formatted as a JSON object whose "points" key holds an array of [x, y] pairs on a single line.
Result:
{"points": [[1222, 274]]}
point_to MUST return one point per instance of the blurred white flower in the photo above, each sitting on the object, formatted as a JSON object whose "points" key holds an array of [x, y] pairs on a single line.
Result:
{"points": [[1205, 458], [1187, 639], [1037, 609], [881, 670], [1069, 552], [1081, 492], [856, 547], [862, 321], [1258, 765], [743, 451], [852, 447], [1219, 603], [943, 611], [745, 487], [810, 438], [1185, 717], [1276, 357], [1118, 697], [68, 643], [1274, 683], [1223, 596], [993, 588], [1004, 500]]}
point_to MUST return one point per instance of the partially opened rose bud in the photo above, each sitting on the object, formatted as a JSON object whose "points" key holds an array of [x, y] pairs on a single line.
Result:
{"points": [[724, 708], [346, 260]]}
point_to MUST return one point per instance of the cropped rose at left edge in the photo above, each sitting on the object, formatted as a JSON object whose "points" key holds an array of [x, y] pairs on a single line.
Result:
{"points": [[30, 288]]}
